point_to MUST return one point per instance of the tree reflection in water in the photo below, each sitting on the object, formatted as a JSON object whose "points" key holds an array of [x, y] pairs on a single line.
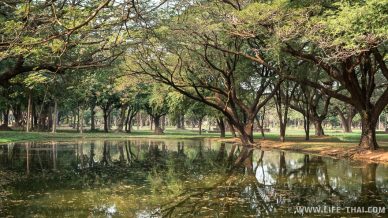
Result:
{"points": [[181, 178]]}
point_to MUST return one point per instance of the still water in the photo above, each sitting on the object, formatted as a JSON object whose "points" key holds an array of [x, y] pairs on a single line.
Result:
{"points": [[181, 178]]}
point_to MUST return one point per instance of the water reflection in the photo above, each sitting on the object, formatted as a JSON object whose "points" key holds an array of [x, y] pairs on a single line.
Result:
{"points": [[177, 178]]}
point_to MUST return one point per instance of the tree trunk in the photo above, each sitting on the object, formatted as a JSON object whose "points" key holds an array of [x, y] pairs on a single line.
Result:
{"points": [[50, 117], [106, 115], [92, 118], [260, 125], [318, 128], [246, 134], [18, 116], [151, 122], [123, 118], [282, 131], [138, 119], [158, 130], [78, 119], [260, 122], [74, 119], [346, 121], [163, 122], [109, 121], [368, 134], [55, 118], [221, 126], [29, 112], [231, 128], [178, 122], [130, 124], [6, 117], [200, 126], [34, 116], [306, 126], [182, 120], [346, 126], [127, 120], [282, 114], [81, 118]]}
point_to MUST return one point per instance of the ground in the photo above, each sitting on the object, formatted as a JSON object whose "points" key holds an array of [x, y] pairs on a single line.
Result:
{"points": [[335, 144]]}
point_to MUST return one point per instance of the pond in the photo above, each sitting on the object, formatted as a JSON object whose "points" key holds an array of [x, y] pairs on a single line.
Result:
{"points": [[182, 178]]}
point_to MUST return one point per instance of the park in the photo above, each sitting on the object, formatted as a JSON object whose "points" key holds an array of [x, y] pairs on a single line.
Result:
{"points": [[174, 108]]}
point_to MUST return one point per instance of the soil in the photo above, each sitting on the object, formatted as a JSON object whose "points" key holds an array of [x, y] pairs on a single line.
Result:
{"points": [[343, 150]]}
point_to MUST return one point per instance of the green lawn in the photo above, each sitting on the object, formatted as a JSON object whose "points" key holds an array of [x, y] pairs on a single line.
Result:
{"points": [[292, 135], [13, 136]]}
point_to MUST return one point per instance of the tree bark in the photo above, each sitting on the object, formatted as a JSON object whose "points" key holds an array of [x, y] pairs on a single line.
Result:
{"points": [[130, 124], [122, 119], [163, 122], [157, 130], [246, 133], [260, 123], [29, 112], [34, 116], [127, 121], [55, 118], [306, 126], [282, 131], [178, 122], [109, 121], [50, 117], [106, 115], [81, 118], [182, 120], [346, 118], [92, 118], [221, 126], [318, 128], [368, 128], [231, 128], [78, 119], [200, 127]]}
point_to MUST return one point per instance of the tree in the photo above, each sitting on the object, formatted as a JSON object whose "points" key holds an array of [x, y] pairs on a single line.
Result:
{"points": [[346, 113], [156, 104], [61, 35], [108, 98], [190, 57], [197, 112], [178, 105], [282, 100], [132, 99], [346, 41]]}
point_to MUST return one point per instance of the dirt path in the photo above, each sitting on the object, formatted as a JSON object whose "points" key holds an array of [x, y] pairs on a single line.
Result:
{"points": [[339, 150]]}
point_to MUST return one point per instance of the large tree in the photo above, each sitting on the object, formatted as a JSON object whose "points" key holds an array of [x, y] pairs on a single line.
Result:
{"points": [[61, 35], [345, 40], [191, 57]]}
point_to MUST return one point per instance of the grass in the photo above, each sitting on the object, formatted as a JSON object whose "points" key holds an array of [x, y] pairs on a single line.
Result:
{"points": [[17, 136], [334, 137]]}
